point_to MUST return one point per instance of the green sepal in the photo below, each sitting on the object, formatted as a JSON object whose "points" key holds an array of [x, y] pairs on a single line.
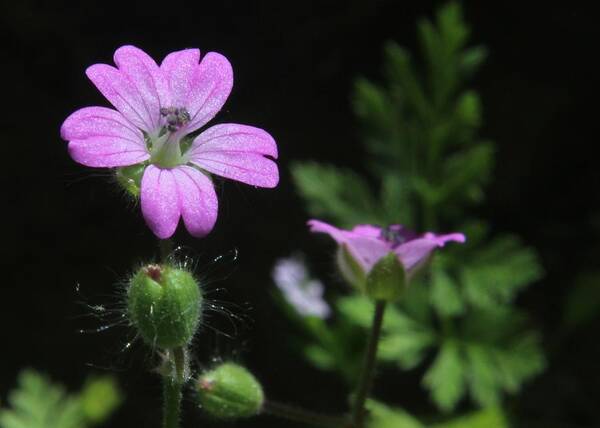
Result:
{"points": [[350, 269], [164, 304], [387, 279], [229, 391], [130, 178]]}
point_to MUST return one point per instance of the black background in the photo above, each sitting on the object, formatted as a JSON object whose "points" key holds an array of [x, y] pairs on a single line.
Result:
{"points": [[294, 64]]}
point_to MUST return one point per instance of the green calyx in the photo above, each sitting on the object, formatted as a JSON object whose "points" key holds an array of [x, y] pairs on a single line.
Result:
{"points": [[164, 304], [130, 178], [350, 269], [229, 391], [387, 279]]}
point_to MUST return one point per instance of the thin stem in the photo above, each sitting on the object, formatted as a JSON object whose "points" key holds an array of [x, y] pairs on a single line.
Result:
{"points": [[297, 414], [368, 371], [172, 389]]}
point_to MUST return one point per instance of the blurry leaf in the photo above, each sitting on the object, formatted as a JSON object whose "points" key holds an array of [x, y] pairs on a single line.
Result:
{"points": [[99, 399], [334, 193], [320, 357], [472, 59], [446, 377], [37, 403], [405, 85], [395, 192], [520, 361], [466, 169], [583, 300], [483, 379], [468, 109], [492, 417], [404, 340], [445, 295], [498, 271], [382, 416], [407, 348]]}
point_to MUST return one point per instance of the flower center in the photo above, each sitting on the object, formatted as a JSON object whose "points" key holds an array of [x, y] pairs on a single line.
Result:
{"points": [[175, 117], [165, 148], [392, 235]]}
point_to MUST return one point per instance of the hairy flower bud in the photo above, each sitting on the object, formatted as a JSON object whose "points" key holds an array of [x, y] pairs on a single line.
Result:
{"points": [[163, 303], [229, 391]]}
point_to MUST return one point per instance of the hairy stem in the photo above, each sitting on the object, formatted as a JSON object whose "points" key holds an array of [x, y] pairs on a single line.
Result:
{"points": [[172, 388], [368, 370], [297, 414]]}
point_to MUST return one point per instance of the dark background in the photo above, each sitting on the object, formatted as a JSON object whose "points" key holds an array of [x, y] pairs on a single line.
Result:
{"points": [[294, 64]]}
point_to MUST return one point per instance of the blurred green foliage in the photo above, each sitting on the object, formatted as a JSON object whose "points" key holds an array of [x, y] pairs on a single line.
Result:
{"points": [[39, 403], [428, 169]]}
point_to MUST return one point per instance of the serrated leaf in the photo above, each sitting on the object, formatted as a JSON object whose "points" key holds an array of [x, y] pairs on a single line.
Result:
{"points": [[484, 384], [38, 403], [335, 193], [445, 379], [382, 416], [498, 271], [492, 417], [445, 295], [407, 349]]}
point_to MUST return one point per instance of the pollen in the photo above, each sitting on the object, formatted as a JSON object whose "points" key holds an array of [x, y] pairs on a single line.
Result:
{"points": [[175, 117]]}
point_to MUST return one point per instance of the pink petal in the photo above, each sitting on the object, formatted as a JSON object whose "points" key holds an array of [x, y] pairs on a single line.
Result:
{"points": [[123, 94], [237, 152], [197, 200], [367, 230], [210, 86], [101, 137], [148, 79], [178, 69], [415, 252], [99, 121], [367, 251], [160, 201]]}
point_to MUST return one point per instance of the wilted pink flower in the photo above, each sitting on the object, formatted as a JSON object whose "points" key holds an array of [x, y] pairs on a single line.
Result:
{"points": [[156, 108], [368, 244]]}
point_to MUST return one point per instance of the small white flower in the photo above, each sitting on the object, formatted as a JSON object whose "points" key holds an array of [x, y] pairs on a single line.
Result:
{"points": [[299, 290]]}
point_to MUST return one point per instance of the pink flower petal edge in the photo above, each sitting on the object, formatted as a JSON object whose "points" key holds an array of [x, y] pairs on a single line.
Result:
{"points": [[168, 194], [101, 137], [237, 152], [368, 244]]}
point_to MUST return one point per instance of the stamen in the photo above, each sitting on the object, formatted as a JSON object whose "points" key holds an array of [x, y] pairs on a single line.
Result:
{"points": [[393, 235], [175, 117]]}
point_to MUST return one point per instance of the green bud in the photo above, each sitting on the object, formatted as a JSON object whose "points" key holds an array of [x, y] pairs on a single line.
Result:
{"points": [[130, 178], [229, 391], [163, 303], [387, 279], [350, 269]]}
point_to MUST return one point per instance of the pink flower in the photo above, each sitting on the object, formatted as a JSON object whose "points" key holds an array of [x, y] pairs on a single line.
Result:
{"points": [[368, 244], [157, 107]]}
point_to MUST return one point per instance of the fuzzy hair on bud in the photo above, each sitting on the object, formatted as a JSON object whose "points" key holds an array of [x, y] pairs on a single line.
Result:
{"points": [[164, 305]]}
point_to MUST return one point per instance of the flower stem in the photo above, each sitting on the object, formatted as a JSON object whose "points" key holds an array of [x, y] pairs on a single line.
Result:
{"points": [[296, 414], [368, 371], [172, 388]]}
